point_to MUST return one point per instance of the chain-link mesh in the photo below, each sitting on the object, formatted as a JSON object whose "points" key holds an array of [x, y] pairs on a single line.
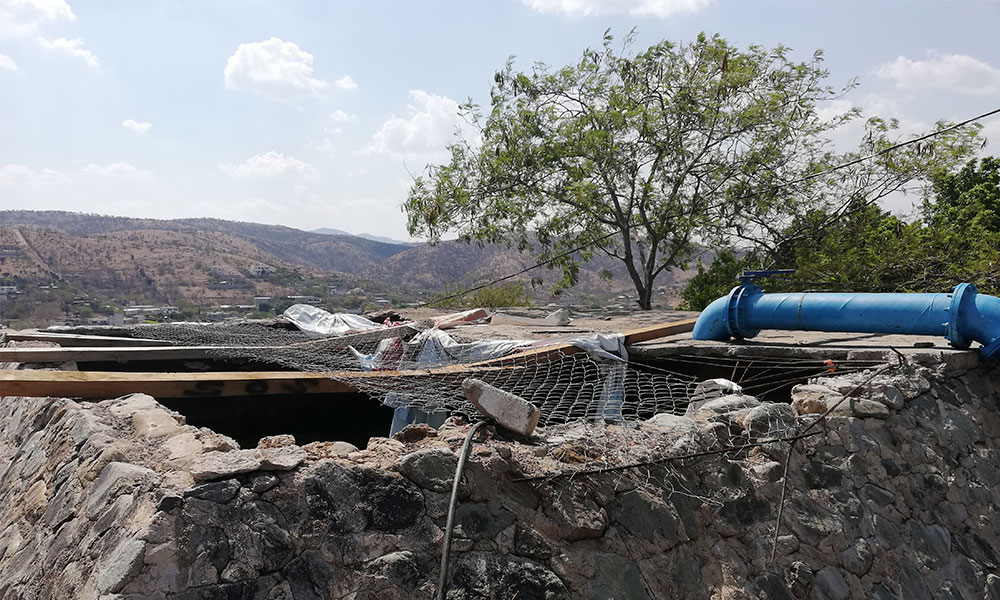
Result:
{"points": [[410, 366]]}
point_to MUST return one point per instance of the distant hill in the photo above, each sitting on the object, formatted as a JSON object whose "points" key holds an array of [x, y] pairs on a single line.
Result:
{"points": [[430, 267], [367, 236], [343, 253], [188, 257]]}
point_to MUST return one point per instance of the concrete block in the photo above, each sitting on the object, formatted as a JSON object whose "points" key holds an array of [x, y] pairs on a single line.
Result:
{"points": [[508, 410]]}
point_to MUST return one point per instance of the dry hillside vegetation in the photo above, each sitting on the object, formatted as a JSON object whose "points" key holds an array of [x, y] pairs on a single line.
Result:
{"points": [[162, 259], [154, 263]]}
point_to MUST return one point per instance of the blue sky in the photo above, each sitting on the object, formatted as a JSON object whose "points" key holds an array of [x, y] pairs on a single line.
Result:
{"points": [[314, 114]]}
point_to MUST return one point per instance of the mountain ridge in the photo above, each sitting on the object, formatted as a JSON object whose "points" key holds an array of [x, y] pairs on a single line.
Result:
{"points": [[185, 256]]}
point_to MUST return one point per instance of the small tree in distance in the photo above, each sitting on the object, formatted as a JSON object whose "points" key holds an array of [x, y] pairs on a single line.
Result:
{"points": [[645, 157]]}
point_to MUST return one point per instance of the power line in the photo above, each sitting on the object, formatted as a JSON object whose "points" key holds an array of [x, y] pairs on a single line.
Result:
{"points": [[803, 179]]}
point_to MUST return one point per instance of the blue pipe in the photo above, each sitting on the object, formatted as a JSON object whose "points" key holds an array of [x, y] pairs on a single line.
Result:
{"points": [[963, 316]]}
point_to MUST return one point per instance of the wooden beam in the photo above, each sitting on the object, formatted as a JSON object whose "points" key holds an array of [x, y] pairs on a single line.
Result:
{"points": [[547, 353], [76, 340], [654, 332], [113, 354], [214, 384], [106, 384]]}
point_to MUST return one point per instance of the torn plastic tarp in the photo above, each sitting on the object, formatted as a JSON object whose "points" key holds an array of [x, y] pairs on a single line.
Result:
{"points": [[711, 389], [435, 348], [316, 320], [609, 351], [609, 346], [429, 349]]}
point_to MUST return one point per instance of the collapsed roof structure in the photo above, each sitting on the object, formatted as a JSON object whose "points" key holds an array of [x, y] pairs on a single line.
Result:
{"points": [[795, 465]]}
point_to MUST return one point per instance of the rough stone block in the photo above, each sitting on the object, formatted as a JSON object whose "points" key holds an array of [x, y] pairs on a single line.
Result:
{"points": [[508, 410], [432, 468], [284, 458], [113, 477], [217, 465], [155, 422], [121, 565], [276, 441]]}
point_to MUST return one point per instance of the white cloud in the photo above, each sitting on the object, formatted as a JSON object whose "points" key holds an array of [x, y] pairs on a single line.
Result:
{"points": [[271, 165], [834, 108], [636, 8], [340, 116], [346, 83], [273, 68], [134, 126], [954, 72], [73, 48], [991, 131], [423, 133], [7, 63], [25, 18], [118, 170], [22, 175]]}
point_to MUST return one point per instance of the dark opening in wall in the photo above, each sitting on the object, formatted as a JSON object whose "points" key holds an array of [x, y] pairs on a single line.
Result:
{"points": [[309, 417]]}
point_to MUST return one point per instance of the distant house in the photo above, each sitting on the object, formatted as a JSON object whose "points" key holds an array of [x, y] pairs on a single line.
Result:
{"points": [[221, 271], [260, 270], [8, 290], [305, 300]]}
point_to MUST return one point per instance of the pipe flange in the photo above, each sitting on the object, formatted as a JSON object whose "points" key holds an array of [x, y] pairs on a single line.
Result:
{"points": [[990, 352], [963, 295], [734, 311]]}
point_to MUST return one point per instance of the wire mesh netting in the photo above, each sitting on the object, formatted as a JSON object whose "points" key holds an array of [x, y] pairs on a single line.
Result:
{"points": [[413, 365]]}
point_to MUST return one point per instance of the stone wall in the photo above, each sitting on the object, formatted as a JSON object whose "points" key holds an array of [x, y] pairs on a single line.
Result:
{"points": [[896, 497]]}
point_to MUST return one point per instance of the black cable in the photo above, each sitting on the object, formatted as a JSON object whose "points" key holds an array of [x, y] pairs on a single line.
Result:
{"points": [[446, 550], [744, 197]]}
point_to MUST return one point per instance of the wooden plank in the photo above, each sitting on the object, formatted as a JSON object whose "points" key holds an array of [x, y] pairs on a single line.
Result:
{"points": [[547, 353], [162, 352], [106, 384], [654, 332], [76, 340], [111, 384], [113, 354]]}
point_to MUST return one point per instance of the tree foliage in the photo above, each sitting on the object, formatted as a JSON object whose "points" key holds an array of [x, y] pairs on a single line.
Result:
{"points": [[870, 250], [643, 156], [498, 295]]}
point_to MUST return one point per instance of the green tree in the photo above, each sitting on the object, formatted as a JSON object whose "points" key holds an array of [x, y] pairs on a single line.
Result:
{"points": [[709, 283], [499, 295], [644, 156], [871, 250]]}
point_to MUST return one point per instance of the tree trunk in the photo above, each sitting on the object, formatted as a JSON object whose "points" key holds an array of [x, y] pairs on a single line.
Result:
{"points": [[646, 296]]}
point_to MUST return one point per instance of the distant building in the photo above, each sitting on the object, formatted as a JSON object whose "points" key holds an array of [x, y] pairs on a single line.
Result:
{"points": [[305, 300], [8, 290], [261, 270], [222, 271]]}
